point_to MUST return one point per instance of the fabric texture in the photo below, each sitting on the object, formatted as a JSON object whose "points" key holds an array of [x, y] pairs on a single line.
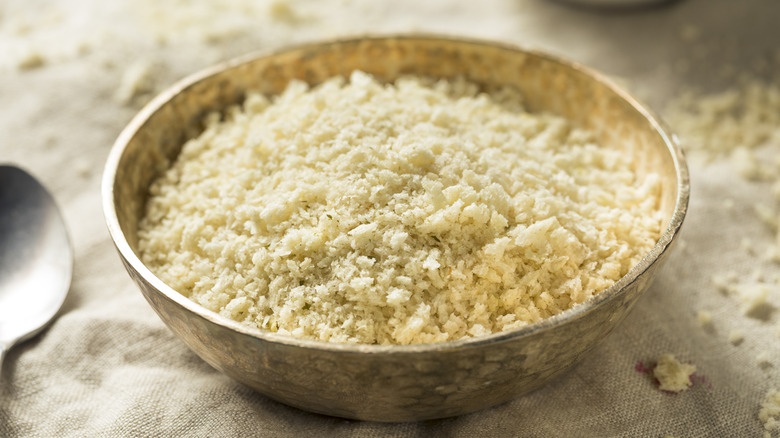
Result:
{"points": [[73, 73]]}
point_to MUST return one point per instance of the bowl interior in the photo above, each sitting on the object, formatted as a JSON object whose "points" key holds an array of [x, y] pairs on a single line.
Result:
{"points": [[154, 138]]}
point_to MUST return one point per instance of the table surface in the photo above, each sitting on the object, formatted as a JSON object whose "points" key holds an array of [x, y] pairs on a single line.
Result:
{"points": [[107, 366]]}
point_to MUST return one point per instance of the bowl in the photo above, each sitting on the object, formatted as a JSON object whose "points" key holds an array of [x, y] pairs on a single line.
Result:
{"points": [[398, 382]]}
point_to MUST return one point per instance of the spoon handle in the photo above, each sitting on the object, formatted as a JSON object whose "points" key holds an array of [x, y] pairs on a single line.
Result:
{"points": [[3, 349]]}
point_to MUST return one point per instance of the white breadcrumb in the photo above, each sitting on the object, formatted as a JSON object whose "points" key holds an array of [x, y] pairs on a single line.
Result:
{"points": [[31, 60], [736, 336], [747, 164], [673, 375], [746, 244], [754, 298], [741, 123], [704, 317], [741, 118], [767, 215], [769, 414], [724, 282], [415, 212], [83, 167], [282, 11], [776, 189], [220, 21], [772, 254], [763, 359], [136, 80]]}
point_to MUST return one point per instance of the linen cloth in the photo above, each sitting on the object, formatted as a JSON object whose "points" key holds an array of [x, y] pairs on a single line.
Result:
{"points": [[108, 367]]}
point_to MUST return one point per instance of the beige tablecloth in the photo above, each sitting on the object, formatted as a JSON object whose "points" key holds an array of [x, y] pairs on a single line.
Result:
{"points": [[72, 74]]}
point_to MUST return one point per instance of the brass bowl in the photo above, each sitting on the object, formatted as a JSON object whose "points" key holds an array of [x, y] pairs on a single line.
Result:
{"points": [[392, 383]]}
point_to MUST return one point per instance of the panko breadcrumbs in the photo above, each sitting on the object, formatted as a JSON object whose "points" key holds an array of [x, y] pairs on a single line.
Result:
{"points": [[673, 375], [413, 212]]}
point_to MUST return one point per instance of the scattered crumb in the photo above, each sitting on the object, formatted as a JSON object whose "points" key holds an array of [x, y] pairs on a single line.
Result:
{"points": [[281, 11], [769, 414], [776, 190], [83, 168], [767, 215], [744, 117], [136, 80], [763, 359], [757, 276], [736, 336], [773, 254], [704, 317], [31, 60], [747, 245], [754, 299], [50, 142], [673, 375], [724, 282], [747, 164]]}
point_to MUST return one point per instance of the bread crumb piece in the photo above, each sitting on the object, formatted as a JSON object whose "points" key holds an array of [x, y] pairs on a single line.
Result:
{"points": [[31, 60], [757, 276], [724, 282], [281, 11], [704, 317], [747, 164], [773, 254], [769, 414], [736, 336], [50, 142], [747, 245], [776, 189], [763, 359], [754, 298], [767, 215], [136, 80], [83, 168], [673, 375]]}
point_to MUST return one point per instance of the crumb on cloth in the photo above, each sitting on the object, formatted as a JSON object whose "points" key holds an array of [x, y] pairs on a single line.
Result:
{"points": [[673, 375]]}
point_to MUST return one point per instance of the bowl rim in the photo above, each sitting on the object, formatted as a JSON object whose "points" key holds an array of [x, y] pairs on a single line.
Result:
{"points": [[130, 257]]}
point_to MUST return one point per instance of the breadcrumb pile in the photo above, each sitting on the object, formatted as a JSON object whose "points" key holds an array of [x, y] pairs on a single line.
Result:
{"points": [[414, 212], [769, 414]]}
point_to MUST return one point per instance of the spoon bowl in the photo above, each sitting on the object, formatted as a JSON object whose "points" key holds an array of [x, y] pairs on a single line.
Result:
{"points": [[36, 259]]}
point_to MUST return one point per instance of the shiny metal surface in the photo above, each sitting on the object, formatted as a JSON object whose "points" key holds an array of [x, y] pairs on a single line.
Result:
{"points": [[392, 383], [36, 260]]}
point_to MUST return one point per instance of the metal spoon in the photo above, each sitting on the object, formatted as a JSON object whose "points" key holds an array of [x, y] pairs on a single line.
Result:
{"points": [[36, 259]]}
